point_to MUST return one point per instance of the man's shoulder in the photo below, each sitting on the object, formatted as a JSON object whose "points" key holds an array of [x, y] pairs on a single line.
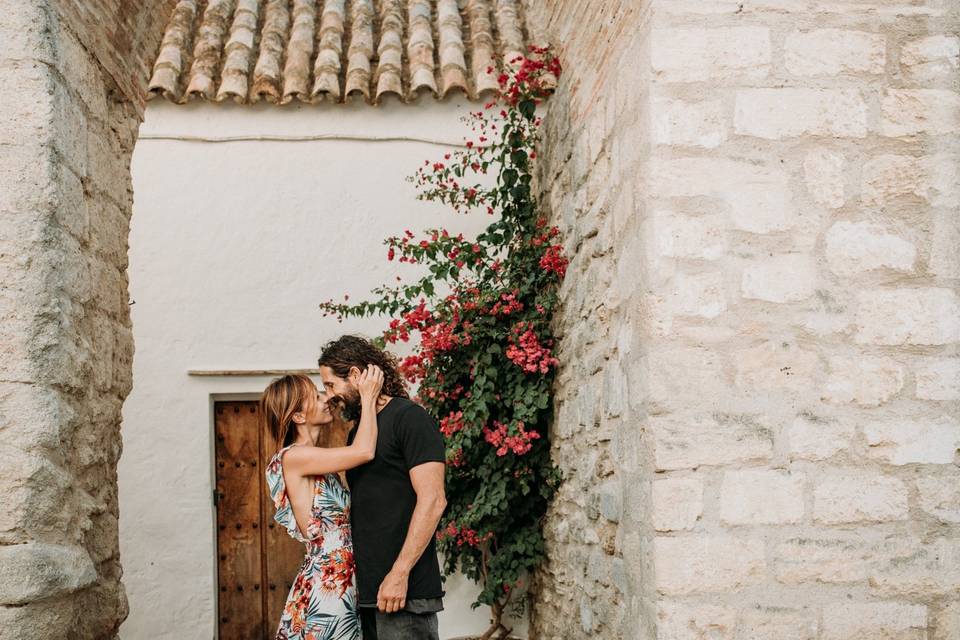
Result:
{"points": [[405, 408]]}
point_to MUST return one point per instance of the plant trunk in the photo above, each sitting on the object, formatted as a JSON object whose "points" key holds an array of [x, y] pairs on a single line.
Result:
{"points": [[496, 624]]}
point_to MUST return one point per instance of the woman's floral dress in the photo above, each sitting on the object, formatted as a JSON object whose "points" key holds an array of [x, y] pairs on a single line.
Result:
{"points": [[322, 604]]}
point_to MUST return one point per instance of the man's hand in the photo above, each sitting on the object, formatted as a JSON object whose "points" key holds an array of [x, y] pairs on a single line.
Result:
{"points": [[392, 595]]}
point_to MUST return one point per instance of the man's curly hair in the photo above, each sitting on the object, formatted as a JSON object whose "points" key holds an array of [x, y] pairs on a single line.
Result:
{"points": [[356, 351]]}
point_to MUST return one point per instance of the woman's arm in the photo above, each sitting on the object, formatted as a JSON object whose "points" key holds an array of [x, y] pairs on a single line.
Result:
{"points": [[313, 461]]}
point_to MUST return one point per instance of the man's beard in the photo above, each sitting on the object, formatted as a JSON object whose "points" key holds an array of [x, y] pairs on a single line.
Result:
{"points": [[349, 406]]}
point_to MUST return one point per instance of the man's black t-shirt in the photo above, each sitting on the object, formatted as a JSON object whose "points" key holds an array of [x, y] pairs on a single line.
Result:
{"points": [[383, 500]]}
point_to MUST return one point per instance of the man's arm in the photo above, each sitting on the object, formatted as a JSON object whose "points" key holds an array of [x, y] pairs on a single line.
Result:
{"points": [[427, 480]]}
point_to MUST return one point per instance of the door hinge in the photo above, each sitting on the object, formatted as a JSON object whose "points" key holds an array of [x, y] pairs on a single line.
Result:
{"points": [[216, 497]]}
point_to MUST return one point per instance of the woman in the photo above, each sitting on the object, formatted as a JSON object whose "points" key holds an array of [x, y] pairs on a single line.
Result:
{"points": [[313, 504]]}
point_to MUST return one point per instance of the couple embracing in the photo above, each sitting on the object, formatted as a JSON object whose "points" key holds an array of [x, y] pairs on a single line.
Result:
{"points": [[371, 568]]}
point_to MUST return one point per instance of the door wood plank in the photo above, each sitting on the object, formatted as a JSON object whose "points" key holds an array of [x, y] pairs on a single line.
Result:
{"points": [[239, 546]]}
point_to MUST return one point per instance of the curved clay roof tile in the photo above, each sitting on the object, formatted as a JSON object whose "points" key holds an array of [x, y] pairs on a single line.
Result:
{"points": [[309, 50]]}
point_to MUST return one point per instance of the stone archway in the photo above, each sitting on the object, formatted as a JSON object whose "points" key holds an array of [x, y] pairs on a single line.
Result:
{"points": [[74, 80]]}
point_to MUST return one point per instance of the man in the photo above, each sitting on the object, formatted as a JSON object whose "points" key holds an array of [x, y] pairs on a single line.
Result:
{"points": [[397, 499]]}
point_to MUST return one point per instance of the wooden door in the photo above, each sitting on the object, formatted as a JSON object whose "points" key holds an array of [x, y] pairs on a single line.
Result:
{"points": [[256, 559]]}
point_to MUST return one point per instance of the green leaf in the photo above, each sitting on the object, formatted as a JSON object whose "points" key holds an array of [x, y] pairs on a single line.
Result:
{"points": [[528, 108]]}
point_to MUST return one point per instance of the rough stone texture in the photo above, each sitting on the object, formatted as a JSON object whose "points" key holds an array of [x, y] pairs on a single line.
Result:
{"points": [[787, 113], [74, 76], [677, 503], [908, 112], [761, 497], [944, 257], [760, 199], [36, 571], [685, 565], [862, 246], [938, 379], [812, 437], [855, 496], [869, 621], [828, 52], [934, 58], [908, 316], [865, 380], [784, 278], [929, 440], [824, 175]]}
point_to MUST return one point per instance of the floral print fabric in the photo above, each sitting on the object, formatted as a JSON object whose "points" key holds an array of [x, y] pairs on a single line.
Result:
{"points": [[322, 604]]}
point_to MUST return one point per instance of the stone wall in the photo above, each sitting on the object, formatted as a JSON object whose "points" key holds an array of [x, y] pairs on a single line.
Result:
{"points": [[67, 128], [758, 415]]}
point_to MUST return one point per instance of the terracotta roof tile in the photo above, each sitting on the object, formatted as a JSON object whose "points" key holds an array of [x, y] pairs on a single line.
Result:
{"points": [[310, 50]]}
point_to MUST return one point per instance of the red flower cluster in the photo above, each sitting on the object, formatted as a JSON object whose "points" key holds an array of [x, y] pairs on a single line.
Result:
{"points": [[452, 423], [500, 438], [554, 260], [441, 336], [528, 80], [526, 352], [414, 320], [507, 304], [463, 535], [413, 368]]}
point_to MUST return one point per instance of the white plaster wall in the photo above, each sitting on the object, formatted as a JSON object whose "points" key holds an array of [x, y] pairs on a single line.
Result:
{"points": [[233, 246]]}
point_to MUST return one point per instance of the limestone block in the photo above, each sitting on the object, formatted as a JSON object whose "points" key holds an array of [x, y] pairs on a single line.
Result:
{"points": [[865, 380], [854, 247], [923, 571], [707, 564], [36, 490], [811, 437], [705, 7], [827, 52], [681, 621], [907, 316], [935, 56], [37, 571], [932, 179], [873, 621], [758, 199], [946, 621], [780, 278], [857, 496], [683, 372], [927, 441], [688, 124], [698, 294], [886, 9], [940, 497], [777, 623], [835, 558], [761, 496], [906, 112], [777, 365], [611, 500], [775, 114], [692, 55], [694, 237], [70, 141], [677, 503], [37, 620], [938, 379], [824, 175], [687, 441], [945, 252]]}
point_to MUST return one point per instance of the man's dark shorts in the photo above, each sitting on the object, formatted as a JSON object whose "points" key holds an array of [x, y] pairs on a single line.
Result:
{"points": [[416, 621]]}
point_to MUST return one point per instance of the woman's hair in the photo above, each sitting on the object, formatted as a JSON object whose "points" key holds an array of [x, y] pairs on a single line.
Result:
{"points": [[354, 351], [282, 398]]}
